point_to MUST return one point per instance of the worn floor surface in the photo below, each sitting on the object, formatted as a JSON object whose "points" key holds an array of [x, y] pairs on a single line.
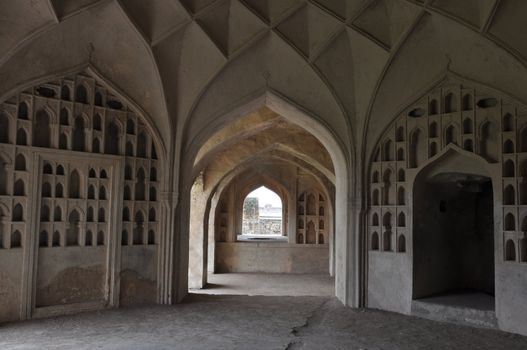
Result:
{"points": [[249, 322], [270, 284]]}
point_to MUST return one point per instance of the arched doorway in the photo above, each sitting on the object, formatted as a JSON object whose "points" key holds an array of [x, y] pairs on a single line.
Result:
{"points": [[454, 233], [267, 151], [262, 216]]}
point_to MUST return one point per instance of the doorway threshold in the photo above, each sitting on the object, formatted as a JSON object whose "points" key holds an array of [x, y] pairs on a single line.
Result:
{"points": [[472, 308]]}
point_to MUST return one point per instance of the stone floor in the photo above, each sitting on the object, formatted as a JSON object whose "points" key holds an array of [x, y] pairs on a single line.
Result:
{"points": [[270, 284], [249, 322]]}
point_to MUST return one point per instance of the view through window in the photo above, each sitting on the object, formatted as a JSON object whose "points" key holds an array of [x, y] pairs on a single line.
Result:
{"points": [[262, 215]]}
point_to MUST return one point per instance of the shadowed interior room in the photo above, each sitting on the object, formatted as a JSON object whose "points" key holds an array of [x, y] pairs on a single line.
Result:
{"points": [[263, 174]]}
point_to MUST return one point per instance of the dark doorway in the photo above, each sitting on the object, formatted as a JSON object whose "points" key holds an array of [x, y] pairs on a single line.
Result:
{"points": [[453, 240]]}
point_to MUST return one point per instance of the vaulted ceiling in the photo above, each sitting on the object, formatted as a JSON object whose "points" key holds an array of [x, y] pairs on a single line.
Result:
{"points": [[353, 63]]}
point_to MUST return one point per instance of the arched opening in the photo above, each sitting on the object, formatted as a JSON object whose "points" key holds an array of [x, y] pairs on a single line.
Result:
{"points": [[387, 151], [43, 239], [88, 239], [508, 123], [451, 135], [42, 133], [432, 107], [450, 103], [18, 213], [510, 250], [44, 213], [20, 162], [140, 187], [262, 215], [508, 168], [16, 239], [151, 237], [59, 191], [510, 223], [73, 230], [4, 128], [126, 214], [130, 127], [97, 100], [129, 149], [489, 141], [91, 192], [417, 149], [89, 214], [152, 215], [307, 219], [96, 146], [467, 126], [124, 238], [467, 102], [401, 220], [374, 241], [78, 135], [141, 145], [102, 193], [453, 231], [97, 122], [63, 141], [138, 229], [75, 185], [64, 117], [401, 244], [100, 238], [112, 139], [56, 239], [57, 214], [81, 95], [19, 188], [23, 111], [65, 93]]}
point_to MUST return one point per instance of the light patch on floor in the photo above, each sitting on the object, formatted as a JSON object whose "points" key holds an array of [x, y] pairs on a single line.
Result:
{"points": [[270, 284]]}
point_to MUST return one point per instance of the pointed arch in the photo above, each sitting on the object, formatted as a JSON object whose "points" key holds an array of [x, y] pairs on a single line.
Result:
{"points": [[41, 129]]}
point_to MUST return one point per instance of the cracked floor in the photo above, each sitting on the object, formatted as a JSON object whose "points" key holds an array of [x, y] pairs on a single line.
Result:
{"points": [[249, 322]]}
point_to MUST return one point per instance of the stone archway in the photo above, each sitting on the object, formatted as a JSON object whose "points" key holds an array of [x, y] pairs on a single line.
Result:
{"points": [[338, 159]]}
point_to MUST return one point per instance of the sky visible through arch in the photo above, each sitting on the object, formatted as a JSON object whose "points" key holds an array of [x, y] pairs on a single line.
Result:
{"points": [[266, 196]]}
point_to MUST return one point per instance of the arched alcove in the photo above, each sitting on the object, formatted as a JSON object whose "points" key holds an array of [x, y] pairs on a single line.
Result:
{"points": [[100, 238], [509, 222], [72, 233], [401, 244], [43, 239], [450, 105], [455, 193], [112, 139], [65, 93], [510, 250], [4, 128], [42, 132], [20, 162], [78, 140], [141, 145], [140, 187], [81, 94], [64, 117], [374, 241], [74, 185], [21, 137]]}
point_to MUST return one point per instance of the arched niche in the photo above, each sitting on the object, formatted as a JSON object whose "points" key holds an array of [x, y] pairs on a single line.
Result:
{"points": [[457, 191]]}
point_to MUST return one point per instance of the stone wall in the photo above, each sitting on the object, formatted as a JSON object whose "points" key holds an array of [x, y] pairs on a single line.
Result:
{"points": [[79, 180]]}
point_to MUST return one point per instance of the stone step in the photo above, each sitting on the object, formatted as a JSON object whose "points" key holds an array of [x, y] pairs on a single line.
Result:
{"points": [[475, 310]]}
